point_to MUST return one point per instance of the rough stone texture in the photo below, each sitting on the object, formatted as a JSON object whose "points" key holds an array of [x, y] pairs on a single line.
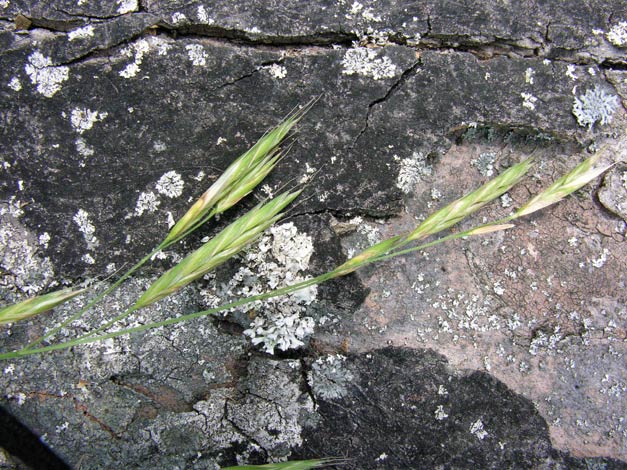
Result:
{"points": [[116, 115], [408, 409]]}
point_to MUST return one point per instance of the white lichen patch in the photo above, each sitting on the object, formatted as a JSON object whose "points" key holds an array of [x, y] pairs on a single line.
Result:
{"points": [[4, 4], [412, 170], [23, 268], [170, 184], [146, 202], [136, 50], [203, 17], [283, 332], [127, 6], [86, 227], [44, 239], [329, 377], [365, 61], [83, 148], [485, 163], [15, 84], [529, 101], [88, 259], [83, 119], [478, 430], [277, 71], [42, 73], [179, 18], [600, 261], [81, 33], [196, 54], [594, 106], [570, 72], [617, 35], [277, 260], [529, 75], [440, 414]]}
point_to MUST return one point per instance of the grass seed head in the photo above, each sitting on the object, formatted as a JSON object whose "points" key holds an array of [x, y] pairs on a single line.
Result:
{"points": [[36, 305], [581, 175], [240, 178], [368, 254], [463, 207], [218, 250]]}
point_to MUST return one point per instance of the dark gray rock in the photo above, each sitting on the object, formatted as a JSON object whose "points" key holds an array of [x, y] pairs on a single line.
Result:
{"points": [[407, 409], [116, 115]]}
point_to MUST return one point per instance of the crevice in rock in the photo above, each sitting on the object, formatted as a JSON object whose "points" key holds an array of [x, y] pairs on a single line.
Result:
{"points": [[400, 81], [242, 431], [245, 38], [82, 408], [304, 370], [247, 75]]}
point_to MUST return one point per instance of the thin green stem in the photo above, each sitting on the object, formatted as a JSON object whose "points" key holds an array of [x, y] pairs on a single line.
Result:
{"points": [[452, 236], [162, 246], [90, 338], [98, 298], [171, 321]]}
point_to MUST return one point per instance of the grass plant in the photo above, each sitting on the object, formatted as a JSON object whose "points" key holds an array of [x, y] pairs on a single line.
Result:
{"points": [[208, 257]]}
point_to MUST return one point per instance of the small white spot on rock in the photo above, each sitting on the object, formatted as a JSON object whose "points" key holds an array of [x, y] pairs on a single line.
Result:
{"points": [[277, 71], [364, 61], [15, 84], [196, 54], [159, 146], [440, 414], [478, 430], [179, 18], [617, 35], [44, 239], [88, 259], [600, 261], [138, 50], [529, 73], [570, 72], [127, 6], [86, 227], [170, 220], [83, 148], [81, 33], [146, 202], [203, 17], [42, 73], [529, 101], [170, 184], [83, 119]]}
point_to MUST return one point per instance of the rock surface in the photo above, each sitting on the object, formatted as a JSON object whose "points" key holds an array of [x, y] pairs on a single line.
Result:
{"points": [[116, 115]]}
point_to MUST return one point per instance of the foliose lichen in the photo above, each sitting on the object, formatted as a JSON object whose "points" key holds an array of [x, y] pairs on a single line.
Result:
{"points": [[594, 106], [329, 377], [280, 258]]}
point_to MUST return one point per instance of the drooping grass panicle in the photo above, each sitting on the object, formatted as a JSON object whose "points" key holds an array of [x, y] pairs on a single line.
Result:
{"points": [[581, 175], [463, 207], [239, 179], [36, 305], [219, 249]]}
